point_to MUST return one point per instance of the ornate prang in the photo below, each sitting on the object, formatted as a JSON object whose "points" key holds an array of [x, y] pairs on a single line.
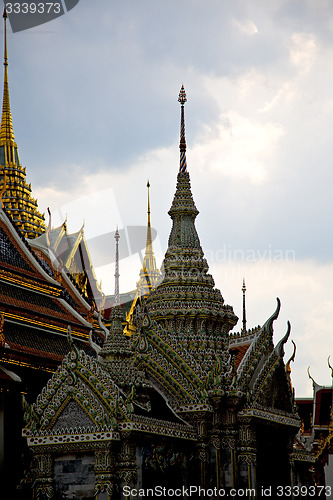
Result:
{"points": [[182, 145]]}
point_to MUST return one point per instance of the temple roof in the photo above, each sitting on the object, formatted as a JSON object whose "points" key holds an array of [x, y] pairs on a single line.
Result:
{"points": [[70, 253], [35, 308]]}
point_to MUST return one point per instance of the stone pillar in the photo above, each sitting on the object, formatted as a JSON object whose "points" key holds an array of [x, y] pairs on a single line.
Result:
{"points": [[219, 465], [202, 452], [247, 457], [43, 486], [104, 474], [127, 467]]}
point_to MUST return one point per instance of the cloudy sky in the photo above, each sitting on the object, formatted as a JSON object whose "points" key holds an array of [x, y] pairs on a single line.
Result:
{"points": [[94, 103]]}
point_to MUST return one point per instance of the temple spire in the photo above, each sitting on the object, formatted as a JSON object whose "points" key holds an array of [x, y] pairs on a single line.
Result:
{"points": [[244, 309], [186, 296], [17, 198], [182, 145], [149, 242], [116, 273], [7, 137], [149, 274]]}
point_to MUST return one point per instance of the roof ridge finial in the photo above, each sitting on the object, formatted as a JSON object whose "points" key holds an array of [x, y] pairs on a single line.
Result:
{"points": [[116, 273], [182, 145], [6, 131]]}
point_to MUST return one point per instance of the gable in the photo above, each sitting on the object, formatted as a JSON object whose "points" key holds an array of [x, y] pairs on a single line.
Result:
{"points": [[72, 416], [79, 388], [275, 391]]}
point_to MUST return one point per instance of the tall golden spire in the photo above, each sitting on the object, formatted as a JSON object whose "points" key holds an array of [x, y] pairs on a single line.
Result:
{"points": [[149, 274], [16, 198], [7, 137]]}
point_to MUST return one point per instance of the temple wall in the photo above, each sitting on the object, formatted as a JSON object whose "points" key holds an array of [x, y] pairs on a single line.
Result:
{"points": [[74, 476]]}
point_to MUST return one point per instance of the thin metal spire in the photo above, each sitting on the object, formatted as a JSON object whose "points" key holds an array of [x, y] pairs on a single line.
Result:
{"points": [[182, 145], [149, 242], [6, 131], [244, 309], [116, 273]]}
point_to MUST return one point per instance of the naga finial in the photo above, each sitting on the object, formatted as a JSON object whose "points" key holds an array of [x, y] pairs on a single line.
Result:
{"points": [[48, 229], [288, 368], [330, 366], [311, 378]]}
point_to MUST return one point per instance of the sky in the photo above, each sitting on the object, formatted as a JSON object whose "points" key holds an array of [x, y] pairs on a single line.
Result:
{"points": [[95, 114]]}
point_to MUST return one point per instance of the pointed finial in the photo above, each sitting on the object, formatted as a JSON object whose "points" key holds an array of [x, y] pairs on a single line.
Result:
{"points": [[6, 131], [182, 145], [182, 96], [244, 309], [116, 273], [148, 186]]}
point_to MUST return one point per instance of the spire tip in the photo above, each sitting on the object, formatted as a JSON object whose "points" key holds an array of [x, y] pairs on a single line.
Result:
{"points": [[182, 96], [182, 145]]}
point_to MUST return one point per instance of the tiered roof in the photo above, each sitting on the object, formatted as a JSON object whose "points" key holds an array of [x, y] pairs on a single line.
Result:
{"points": [[36, 308], [71, 254]]}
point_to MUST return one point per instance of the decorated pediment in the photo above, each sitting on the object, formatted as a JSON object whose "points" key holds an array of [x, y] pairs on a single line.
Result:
{"points": [[80, 394], [73, 416]]}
